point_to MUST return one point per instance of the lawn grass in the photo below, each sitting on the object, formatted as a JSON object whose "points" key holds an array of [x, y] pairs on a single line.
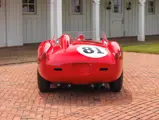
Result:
{"points": [[152, 48]]}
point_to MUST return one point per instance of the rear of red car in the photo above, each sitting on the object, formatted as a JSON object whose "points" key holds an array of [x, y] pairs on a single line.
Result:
{"points": [[79, 62], [71, 67]]}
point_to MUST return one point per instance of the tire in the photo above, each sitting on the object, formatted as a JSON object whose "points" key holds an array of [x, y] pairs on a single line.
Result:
{"points": [[116, 86], [43, 84]]}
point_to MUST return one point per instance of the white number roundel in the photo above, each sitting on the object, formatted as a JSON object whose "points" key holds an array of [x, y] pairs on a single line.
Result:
{"points": [[92, 51]]}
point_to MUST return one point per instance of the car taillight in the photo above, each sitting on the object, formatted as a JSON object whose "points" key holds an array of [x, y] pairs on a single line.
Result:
{"points": [[43, 56], [118, 55]]}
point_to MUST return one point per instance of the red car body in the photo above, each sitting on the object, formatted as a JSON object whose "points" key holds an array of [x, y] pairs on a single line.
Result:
{"points": [[80, 61]]}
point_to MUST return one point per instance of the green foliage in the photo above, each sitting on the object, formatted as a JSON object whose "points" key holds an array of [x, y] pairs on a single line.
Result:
{"points": [[152, 48]]}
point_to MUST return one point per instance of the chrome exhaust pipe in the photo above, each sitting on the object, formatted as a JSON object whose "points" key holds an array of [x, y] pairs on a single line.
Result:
{"points": [[92, 85], [69, 85], [105, 85]]}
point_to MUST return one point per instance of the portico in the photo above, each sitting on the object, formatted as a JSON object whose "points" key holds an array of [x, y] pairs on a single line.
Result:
{"points": [[56, 18], [33, 21]]}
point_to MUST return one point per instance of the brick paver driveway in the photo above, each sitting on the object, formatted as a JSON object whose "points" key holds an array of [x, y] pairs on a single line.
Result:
{"points": [[138, 100]]}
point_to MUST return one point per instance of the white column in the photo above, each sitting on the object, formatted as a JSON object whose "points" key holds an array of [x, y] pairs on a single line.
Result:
{"points": [[96, 20], [141, 29], [56, 18]]}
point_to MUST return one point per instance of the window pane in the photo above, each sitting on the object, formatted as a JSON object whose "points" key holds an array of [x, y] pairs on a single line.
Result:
{"points": [[31, 1], [76, 6], [152, 10], [25, 1], [25, 8], [117, 6], [31, 8], [151, 3], [149, 10], [151, 7]]}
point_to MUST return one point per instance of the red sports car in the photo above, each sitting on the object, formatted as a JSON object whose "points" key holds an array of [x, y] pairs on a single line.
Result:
{"points": [[77, 61]]}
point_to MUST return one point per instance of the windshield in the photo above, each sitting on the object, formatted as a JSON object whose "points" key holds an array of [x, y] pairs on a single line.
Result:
{"points": [[86, 35]]}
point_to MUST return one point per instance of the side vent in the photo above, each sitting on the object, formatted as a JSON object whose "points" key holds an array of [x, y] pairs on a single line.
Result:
{"points": [[103, 69], [57, 69]]}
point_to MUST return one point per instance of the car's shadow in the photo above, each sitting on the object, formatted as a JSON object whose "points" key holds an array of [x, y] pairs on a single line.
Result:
{"points": [[84, 96]]}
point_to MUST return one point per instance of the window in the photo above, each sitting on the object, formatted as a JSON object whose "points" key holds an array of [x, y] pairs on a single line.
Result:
{"points": [[29, 6], [117, 6], [76, 6], [151, 6]]}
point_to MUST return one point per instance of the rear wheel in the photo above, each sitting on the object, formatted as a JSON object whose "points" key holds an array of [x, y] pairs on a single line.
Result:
{"points": [[116, 86], [43, 84]]}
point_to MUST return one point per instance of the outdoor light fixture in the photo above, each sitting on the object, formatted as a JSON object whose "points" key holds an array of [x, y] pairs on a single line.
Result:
{"points": [[108, 5], [128, 5]]}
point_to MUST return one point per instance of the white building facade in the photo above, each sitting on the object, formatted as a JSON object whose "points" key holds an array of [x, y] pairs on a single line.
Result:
{"points": [[32, 21]]}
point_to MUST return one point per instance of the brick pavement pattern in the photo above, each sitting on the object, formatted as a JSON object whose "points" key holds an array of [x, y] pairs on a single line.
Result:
{"points": [[20, 98]]}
